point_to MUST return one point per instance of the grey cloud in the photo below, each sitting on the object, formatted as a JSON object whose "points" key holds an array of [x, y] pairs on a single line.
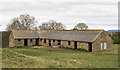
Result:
{"points": [[49, 6], [69, 12]]}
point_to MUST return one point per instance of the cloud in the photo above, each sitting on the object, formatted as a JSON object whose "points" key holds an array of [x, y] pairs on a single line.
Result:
{"points": [[59, 1], [70, 12]]}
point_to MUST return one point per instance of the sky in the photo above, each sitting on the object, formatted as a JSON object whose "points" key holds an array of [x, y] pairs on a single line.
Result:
{"points": [[97, 14]]}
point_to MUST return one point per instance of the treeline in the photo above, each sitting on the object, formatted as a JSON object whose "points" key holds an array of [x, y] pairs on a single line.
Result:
{"points": [[27, 22], [115, 36]]}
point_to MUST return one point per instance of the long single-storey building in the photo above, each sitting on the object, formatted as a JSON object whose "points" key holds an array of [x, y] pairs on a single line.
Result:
{"points": [[90, 40]]}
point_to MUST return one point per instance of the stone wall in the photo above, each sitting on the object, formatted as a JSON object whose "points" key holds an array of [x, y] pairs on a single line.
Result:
{"points": [[65, 44], [21, 42], [83, 45], [5, 38], [96, 45], [11, 40], [102, 38], [31, 43]]}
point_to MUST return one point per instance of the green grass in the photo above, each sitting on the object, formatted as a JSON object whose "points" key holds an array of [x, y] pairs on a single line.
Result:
{"points": [[67, 48], [25, 57], [81, 49], [35, 45], [75, 49]]}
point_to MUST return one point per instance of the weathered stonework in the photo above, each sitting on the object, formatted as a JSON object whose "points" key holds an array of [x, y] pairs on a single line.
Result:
{"points": [[31, 43], [83, 45], [102, 38], [11, 40], [19, 43], [96, 44], [65, 44]]}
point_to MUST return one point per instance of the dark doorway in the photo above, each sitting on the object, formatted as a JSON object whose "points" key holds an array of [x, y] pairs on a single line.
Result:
{"points": [[75, 45], [90, 47], [37, 41], [49, 42], [25, 42], [59, 42]]}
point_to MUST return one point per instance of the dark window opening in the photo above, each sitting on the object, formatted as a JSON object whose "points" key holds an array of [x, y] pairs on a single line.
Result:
{"points": [[75, 45], [53, 40], [40, 39], [69, 43], [37, 41], [59, 42], [30, 40], [45, 41], [49, 42], [19, 40], [25, 42], [90, 47]]}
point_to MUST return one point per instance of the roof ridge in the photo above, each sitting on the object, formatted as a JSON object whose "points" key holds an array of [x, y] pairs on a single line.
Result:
{"points": [[25, 30], [63, 30], [97, 36], [78, 35], [84, 30]]}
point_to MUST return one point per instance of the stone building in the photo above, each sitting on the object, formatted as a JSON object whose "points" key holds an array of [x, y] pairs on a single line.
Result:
{"points": [[90, 40]]}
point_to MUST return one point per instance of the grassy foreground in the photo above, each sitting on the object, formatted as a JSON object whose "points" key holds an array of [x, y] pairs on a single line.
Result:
{"points": [[41, 58]]}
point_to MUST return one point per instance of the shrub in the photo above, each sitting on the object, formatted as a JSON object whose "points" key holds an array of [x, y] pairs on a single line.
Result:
{"points": [[75, 49], [19, 47], [116, 40], [22, 47], [35, 45], [67, 47], [81, 49]]}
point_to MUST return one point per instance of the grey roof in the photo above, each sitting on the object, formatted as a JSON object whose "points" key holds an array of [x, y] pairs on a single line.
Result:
{"points": [[25, 34], [85, 36]]}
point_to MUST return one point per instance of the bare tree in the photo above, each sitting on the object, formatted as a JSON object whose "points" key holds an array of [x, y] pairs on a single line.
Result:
{"points": [[80, 26], [23, 22], [52, 25]]}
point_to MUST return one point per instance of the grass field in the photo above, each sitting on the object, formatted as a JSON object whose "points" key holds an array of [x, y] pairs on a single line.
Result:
{"points": [[41, 58]]}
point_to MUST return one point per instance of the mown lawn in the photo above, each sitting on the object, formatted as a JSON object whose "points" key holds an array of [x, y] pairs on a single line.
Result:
{"points": [[41, 58]]}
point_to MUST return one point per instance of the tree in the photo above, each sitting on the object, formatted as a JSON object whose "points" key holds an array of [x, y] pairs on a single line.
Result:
{"points": [[23, 22], [116, 40], [52, 25], [80, 26]]}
